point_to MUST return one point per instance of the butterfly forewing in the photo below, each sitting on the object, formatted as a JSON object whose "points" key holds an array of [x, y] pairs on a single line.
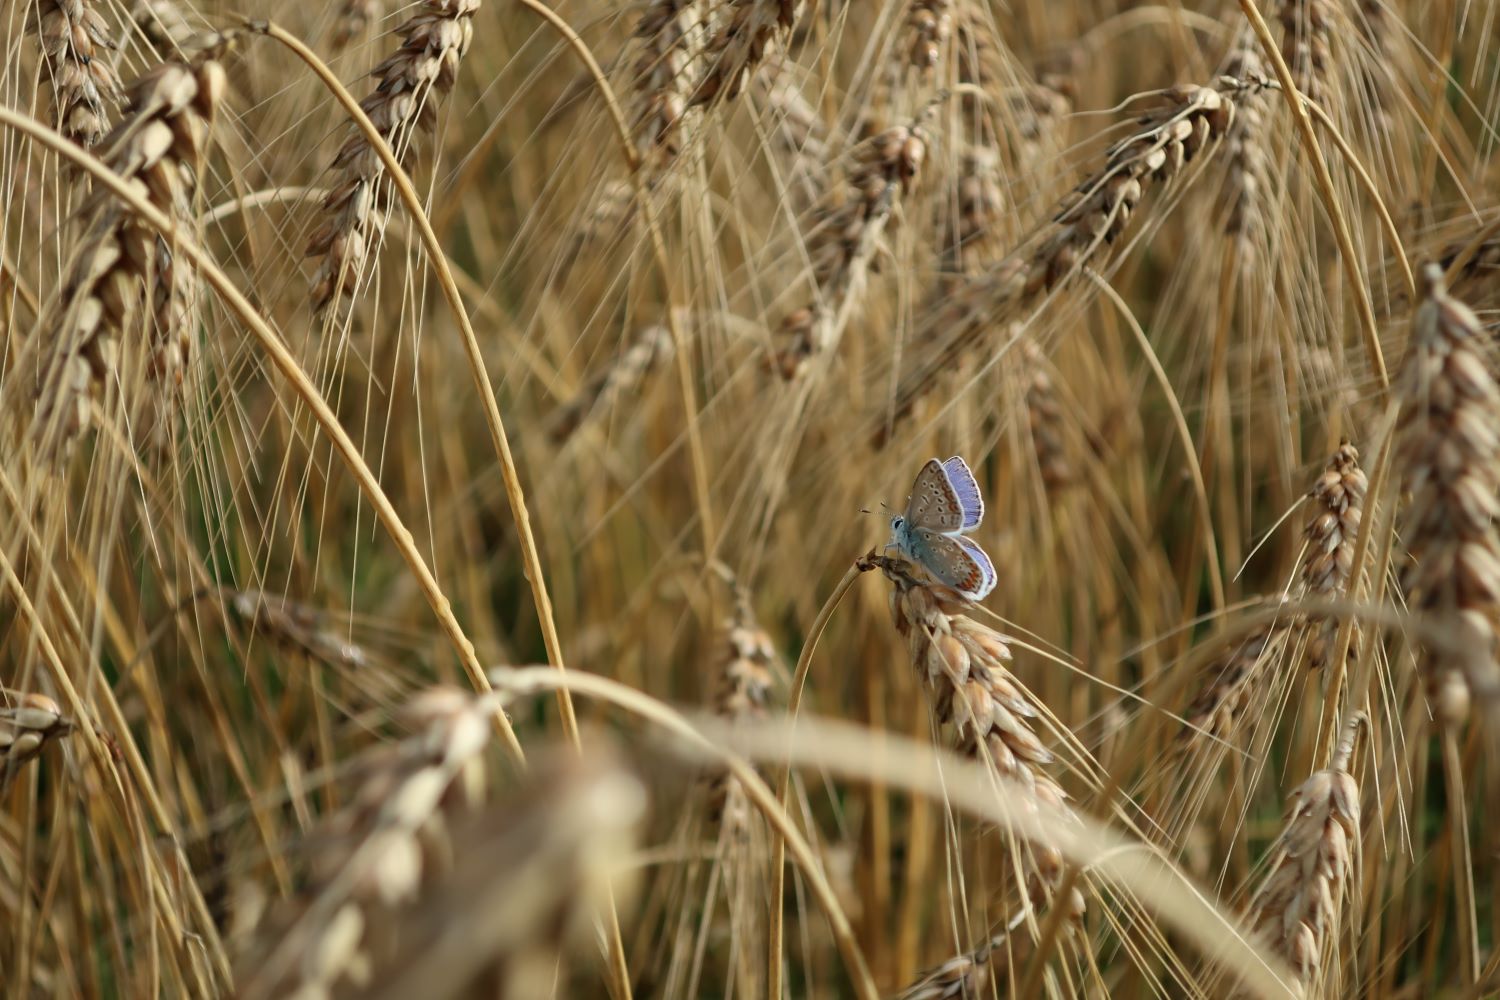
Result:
{"points": [[970, 503], [934, 505]]}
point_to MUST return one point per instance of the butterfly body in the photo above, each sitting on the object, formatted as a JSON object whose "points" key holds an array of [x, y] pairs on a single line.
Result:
{"points": [[944, 506]]}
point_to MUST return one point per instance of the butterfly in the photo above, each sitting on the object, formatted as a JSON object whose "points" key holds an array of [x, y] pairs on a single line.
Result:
{"points": [[944, 506]]}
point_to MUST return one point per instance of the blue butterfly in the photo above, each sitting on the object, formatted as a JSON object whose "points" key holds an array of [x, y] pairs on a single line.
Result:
{"points": [[944, 506]]}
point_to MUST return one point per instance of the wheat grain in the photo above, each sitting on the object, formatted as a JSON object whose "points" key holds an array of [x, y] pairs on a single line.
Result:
{"points": [[25, 731]]}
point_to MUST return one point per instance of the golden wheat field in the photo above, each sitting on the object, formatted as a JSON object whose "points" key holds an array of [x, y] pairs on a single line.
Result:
{"points": [[469, 524]]}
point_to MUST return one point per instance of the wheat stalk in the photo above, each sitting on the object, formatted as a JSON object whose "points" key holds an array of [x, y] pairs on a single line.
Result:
{"points": [[1246, 173], [354, 20], [748, 32], [745, 656], [1304, 43], [671, 35], [1045, 420], [798, 135], [652, 348], [371, 855], [528, 875], [163, 23], [964, 667]]}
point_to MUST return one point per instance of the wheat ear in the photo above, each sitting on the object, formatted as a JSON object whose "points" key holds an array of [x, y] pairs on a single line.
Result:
{"points": [[404, 102], [74, 38], [1449, 449], [1299, 906]]}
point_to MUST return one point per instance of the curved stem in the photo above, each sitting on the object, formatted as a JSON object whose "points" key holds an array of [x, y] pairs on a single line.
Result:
{"points": [[778, 843], [285, 363], [1200, 489], [618, 969], [1368, 183]]}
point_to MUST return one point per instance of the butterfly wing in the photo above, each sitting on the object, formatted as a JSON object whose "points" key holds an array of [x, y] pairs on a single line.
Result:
{"points": [[987, 575], [970, 503], [934, 504], [955, 561]]}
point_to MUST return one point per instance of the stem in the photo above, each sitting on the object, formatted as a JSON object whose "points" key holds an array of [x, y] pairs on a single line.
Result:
{"points": [[619, 970], [1211, 548]]}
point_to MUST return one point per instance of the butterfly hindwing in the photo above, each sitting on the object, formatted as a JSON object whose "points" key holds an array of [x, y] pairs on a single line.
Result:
{"points": [[955, 561], [966, 489], [987, 576], [934, 504]]}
